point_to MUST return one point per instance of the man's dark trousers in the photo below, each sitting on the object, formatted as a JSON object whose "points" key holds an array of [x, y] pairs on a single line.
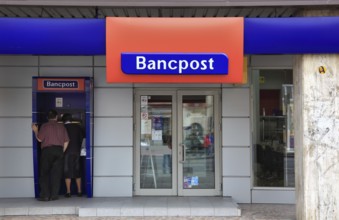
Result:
{"points": [[51, 167]]}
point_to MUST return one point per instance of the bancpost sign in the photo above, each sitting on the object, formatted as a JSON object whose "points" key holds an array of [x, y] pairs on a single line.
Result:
{"points": [[174, 50], [60, 84], [174, 63]]}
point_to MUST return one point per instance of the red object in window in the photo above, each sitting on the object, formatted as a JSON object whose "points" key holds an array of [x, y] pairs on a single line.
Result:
{"points": [[270, 101]]}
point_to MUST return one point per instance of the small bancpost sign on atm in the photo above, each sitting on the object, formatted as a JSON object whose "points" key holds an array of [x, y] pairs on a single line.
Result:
{"points": [[62, 84]]}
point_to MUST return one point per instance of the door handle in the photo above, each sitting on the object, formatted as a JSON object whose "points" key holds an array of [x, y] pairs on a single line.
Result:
{"points": [[183, 153]]}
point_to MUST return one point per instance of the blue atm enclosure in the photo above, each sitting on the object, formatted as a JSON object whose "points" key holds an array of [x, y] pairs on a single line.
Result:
{"points": [[66, 95]]}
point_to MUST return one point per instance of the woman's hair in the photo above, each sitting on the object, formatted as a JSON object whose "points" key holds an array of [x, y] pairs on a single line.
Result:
{"points": [[66, 117]]}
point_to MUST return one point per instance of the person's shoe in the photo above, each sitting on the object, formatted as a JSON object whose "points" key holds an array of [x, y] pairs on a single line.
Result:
{"points": [[68, 195], [79, 194], [43, 199], [54, 198]]}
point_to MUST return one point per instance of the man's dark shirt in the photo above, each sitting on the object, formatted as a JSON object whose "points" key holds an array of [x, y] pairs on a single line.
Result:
{"points": [[76, 135]]}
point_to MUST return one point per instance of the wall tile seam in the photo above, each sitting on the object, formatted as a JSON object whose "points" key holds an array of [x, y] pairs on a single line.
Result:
{"points": [[110, 176], [233, 176], [16, 147], [113, 146], [16, 116], [271, 68], [43, 65], [115, 116], [224, 87], [16, 177], [243, 116], [237, 147], [15, 87], [92, 67], [20, 66], [52, 66], [275, 189], [68, 67], [111, 87], [245, 86]]}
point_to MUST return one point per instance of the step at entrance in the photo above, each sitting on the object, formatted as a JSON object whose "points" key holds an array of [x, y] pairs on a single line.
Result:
{"points": [[164, 206], [123, 206]]}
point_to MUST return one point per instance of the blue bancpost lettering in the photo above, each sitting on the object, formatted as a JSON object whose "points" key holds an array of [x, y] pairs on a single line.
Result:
{"points": [[174, 63]]}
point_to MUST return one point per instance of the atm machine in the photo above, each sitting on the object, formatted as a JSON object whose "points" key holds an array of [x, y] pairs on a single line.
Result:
{"points": [[65, 95]]}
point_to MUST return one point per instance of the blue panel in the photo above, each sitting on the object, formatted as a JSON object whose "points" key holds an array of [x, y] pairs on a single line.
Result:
{"points": [[291, 35], [35, 142], [89, 137], [39, 36], [174, 63]]}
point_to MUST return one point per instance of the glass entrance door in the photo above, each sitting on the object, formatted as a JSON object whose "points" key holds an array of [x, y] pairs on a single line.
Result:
{"points": [[198, 152], [176, 151]]}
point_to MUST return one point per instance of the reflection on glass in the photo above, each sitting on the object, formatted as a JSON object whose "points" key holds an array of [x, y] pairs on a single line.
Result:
{"points": [[198, 142], [156, 142], [274, 148]]}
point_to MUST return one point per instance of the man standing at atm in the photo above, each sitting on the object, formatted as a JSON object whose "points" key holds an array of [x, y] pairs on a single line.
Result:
{"points": [[54, 141]]}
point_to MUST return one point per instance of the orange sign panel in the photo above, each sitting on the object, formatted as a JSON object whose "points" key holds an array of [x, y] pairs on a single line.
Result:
{"points": [[174, 38]]}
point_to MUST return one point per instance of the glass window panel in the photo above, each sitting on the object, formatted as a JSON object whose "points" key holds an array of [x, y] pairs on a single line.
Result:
{"points": [[274, 139], [156, 142], [198, 139]]}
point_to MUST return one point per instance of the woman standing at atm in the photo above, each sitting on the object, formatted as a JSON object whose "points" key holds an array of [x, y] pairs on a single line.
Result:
{"points": [[72, 165]]}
